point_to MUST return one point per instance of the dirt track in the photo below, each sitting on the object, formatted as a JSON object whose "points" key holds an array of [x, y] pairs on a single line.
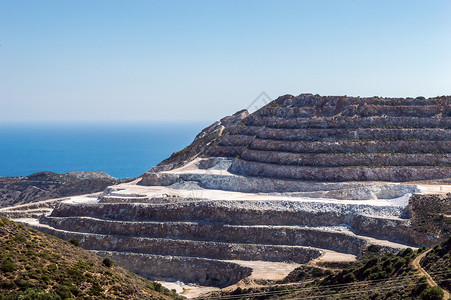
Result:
{"points": [[416, 264]]}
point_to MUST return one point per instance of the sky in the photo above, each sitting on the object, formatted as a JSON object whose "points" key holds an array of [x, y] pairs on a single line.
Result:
{"points": [[183, 61]]}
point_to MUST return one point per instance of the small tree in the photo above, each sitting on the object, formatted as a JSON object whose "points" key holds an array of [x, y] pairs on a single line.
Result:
{"points": [[108, 262], [74, 242]]}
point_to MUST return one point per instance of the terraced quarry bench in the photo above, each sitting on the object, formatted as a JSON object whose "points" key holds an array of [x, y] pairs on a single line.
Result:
{"points": [[342, 139], [211, 237]]}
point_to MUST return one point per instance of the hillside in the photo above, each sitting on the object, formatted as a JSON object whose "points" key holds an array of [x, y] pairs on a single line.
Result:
{"points": [[438, 264], [431, 215], [49, 185], [34, 265], [376, 275]]}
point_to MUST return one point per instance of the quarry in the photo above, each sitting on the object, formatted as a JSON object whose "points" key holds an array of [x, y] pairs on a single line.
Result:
{"points": [[303, 179]]}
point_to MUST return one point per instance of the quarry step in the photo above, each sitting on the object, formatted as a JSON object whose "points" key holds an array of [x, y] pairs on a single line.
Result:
{"points": [[178, 247], [347, 122], [348, 146], [35, 205], [234, 212], [321, 237], [180, 217], [207, 272], [353, 173], [206, 263], [244, 132], [116, 199], [367, 110], [32, 213], [346, 159], [262, 186], [225, 151], [310, 100]]}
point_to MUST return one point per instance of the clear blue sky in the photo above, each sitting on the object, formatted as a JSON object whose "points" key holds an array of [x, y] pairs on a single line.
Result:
{"points": [[200, 60]]}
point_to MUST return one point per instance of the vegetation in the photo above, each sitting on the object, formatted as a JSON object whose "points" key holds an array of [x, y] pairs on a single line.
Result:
{"points": [[74, 242], [431, 214], [432, 293], [107, 262], [376, 275], [438, 264], [34, 265]]}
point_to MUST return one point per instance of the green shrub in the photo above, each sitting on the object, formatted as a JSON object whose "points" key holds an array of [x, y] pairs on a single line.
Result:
{"points": [[406, 252], [23, 284], [45, 278], [19, 239], [379, 275], [7, 285], [350, 277], [388, 268], [74, 242], [370, 263], [7, 267], [63, 291], [317, 272], [107, 262], [400, 262], [96, 290], [33, 294], [83, 265], [374, 248], [238, 291], [422, 284], [156, 286], [432, 293], [75, 274]]}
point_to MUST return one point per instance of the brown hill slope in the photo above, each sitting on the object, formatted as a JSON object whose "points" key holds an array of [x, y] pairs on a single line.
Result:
{"points": [[376, 275], [34, 265]]}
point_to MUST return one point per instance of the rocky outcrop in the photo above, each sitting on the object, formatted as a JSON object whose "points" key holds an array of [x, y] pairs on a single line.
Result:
{"points": [[224, 123], [431, 214], [48, 185], [203, 140]]}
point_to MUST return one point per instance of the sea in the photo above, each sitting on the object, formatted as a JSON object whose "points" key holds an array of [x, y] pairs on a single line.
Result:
{"points": [[123, 150]]}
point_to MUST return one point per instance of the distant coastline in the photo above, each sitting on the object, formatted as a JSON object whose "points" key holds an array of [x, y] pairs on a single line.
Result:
{"points": [[119, 149]]}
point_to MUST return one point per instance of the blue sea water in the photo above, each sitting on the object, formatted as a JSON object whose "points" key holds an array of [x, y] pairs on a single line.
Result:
{"points": [[121, 150]]}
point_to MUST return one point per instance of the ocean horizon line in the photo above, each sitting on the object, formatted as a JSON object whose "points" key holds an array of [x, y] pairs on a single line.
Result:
{"points": [[122, 150]]}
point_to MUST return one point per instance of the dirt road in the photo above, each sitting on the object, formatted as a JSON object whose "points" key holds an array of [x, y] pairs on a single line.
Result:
{"points": [[416, 264]]}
